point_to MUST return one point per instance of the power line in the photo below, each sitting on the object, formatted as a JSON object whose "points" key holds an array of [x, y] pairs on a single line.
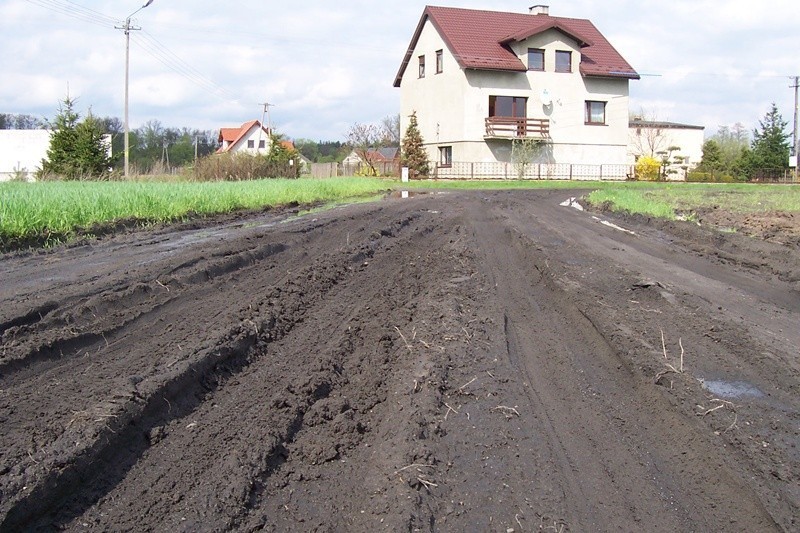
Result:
{"points": [[72, 10], [166, 57]]}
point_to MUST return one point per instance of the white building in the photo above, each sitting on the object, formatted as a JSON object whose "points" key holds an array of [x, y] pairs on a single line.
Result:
{"points": [[21, 152], [654, 138], [479, 80]]}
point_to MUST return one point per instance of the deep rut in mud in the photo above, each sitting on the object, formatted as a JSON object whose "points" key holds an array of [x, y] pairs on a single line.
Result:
{"points": [[462, 362]]}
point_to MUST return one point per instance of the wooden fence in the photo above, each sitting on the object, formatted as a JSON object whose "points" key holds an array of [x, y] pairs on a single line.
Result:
{"points": [[331, 170]]}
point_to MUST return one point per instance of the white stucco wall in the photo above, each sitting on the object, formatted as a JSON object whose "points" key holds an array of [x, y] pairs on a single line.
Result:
{"points": [[688, 138], [452, 106], [22, 150]]}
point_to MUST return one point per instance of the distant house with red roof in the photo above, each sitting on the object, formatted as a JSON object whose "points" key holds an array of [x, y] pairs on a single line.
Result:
{"points": [[478, 80], [251, 137]]}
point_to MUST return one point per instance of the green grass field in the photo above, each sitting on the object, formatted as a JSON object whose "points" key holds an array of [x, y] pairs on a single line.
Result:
{"points": [[52, 212]]}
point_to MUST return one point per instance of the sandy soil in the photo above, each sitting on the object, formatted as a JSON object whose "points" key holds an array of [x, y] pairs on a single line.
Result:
{"points": [[487, 361]]}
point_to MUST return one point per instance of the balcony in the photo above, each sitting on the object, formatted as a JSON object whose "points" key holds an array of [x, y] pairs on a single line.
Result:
{"points": [[517, 128]]}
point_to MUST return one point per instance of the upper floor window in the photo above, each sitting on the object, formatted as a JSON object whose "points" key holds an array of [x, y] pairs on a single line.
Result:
{"points": [[563, 61], [251, 143], [595, 112], [535, 59], [439, 61], [421, 66], [262, 143], [508, 106]]}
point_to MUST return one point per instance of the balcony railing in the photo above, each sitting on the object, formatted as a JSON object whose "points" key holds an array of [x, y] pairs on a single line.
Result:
{"points": [[517, 128]]}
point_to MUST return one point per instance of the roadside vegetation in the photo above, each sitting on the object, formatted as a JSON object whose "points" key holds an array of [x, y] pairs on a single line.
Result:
{"points": [[45, 213], [673, 200]]}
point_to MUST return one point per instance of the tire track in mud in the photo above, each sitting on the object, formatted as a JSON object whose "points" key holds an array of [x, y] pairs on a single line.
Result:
{"points": [[119, 444], [53, 377], [577, 380], [468, 362]]}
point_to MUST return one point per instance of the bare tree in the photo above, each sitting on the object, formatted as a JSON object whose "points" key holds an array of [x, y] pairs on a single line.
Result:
{"points": [[363, 138], [390, 130], [524, 152], [649, 137]]}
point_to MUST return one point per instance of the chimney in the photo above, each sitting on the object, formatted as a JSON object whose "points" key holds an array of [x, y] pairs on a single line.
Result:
{"points": [[540, 9]]}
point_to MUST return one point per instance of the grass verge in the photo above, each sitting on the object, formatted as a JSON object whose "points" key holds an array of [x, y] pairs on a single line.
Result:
{"points": [[667, 200], [664, 200], [50, 212]]}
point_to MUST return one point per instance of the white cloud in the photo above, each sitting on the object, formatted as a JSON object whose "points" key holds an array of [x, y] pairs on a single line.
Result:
{"points": [[326, 65]]}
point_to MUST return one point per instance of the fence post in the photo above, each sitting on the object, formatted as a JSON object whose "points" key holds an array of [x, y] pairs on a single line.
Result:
{"points": [[570, 172], [601, 172], [472, 171]]}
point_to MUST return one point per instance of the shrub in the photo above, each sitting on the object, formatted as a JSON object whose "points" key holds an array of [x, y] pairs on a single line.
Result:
{"points": [[239, 167], [648, 168]]}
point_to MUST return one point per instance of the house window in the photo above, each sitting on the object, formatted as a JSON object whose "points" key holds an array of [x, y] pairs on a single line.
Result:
{"points": [[508, 106], [251, 143], [535, 59], [446, 156], [595, 112], [421, 66], [563, 61], [262, 144], [439, 61]]}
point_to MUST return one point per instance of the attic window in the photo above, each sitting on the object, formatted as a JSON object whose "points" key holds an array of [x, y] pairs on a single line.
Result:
{"points": [[421, 66], [535, 59], [563, 61], [439, 61]]}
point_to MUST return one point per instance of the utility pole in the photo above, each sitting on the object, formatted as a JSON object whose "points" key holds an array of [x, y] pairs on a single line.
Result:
{"points": [[796, 147], [266, 105], [127, 29]]}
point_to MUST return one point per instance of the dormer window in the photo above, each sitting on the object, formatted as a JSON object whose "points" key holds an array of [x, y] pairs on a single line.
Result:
{"points": [[536, 59], [421, 66], [563, 61]]}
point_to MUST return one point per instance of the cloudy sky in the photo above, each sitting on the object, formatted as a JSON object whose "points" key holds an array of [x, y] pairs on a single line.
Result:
{"points": [[325, 65]]}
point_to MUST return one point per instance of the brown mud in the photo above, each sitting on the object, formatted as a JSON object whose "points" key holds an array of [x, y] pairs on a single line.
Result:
{"points": [[482, 361]]}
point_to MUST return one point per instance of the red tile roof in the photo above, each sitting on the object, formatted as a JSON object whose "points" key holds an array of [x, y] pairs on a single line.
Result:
{"points": [[479, 40]]}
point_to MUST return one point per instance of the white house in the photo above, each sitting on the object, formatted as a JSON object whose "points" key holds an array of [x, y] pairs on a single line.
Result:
{"points": [[22, 152], [251, 137], [478, 80], [653, 138]]}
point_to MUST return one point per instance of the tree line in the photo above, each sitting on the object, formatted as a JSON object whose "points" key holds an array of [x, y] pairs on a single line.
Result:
{"points": [[733, 152], [153, 146]]}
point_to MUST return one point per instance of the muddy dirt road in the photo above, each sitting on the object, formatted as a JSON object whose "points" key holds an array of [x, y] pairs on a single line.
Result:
{"points": [[487, 361]]}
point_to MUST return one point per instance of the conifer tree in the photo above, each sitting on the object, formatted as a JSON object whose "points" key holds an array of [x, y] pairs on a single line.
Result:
{"points": [[414, 155], [77, 149], [770, 146]]}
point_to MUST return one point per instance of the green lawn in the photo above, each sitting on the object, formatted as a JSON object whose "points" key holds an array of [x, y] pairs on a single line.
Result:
{"points": [[53, 211]]}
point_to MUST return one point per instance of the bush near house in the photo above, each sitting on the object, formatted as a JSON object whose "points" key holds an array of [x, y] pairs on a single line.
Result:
{"points": [[242, 166], [648, 168]]}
